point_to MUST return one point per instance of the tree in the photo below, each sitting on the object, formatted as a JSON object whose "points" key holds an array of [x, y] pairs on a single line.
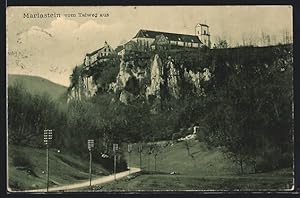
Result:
{"points": [[75, 80], [30, 114], [156, 149], [252, 106], [221, 44]]}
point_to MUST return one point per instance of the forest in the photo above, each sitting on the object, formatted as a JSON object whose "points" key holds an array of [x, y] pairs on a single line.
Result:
{"points": [[247, 110]]}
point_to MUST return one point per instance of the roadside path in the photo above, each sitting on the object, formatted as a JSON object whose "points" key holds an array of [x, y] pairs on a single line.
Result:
{"points": [[101, 180]]}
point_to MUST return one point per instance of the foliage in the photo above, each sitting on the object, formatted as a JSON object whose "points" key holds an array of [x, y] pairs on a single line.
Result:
{"points": [[252, 103], [75, 81], [29, 115], [104, 72], [19, 160], [221, 44]]}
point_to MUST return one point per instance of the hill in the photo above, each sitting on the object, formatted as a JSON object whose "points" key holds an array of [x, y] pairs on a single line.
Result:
{"points": [[38, 85], [198, 161], [208, 169], [27, 168]]}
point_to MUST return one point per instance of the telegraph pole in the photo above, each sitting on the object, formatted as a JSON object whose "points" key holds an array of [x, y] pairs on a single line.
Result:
{"points": [[149, 153], [129, 149], [115, 148], [140, 151], [47, 167], [155, 163], [148, 162], [47, 141], [90, 147]]}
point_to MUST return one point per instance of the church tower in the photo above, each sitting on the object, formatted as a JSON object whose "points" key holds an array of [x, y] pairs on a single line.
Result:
{"points": [[202, 31]]}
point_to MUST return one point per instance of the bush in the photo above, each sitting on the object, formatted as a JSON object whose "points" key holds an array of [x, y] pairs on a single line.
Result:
{"points": [[20, 160], [108, 163], [14, 185], [286, 160], [263, 165], [272, 160]]}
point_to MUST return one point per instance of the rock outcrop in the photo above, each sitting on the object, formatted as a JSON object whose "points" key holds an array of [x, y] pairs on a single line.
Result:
{"points": [[173, 79], [156, 72], [155, 82], [85, 87]]}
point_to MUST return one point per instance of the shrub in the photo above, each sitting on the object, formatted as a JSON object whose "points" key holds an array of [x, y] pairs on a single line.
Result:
{"points": [[19, 160], [273, 159], [286, 160]]}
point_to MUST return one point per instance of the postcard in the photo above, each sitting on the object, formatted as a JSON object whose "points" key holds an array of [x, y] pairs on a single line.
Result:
{"points": [[150, 98]]}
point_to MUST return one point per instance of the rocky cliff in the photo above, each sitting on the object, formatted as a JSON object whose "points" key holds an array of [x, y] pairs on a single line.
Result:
{"points": [[157, 76], [158, 80]]}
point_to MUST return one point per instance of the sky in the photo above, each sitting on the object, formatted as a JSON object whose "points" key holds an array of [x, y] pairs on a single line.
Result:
{"points": [[52, 47]]}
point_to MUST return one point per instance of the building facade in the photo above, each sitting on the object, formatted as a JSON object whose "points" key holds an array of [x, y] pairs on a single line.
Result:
{"points": [[98, 55], [149, 39], [202, 31]]}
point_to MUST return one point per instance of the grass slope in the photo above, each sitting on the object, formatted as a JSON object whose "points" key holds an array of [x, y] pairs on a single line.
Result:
{"points": [[27, 168], [38, 85], [161, 182], [175, 158], [208, 170]]}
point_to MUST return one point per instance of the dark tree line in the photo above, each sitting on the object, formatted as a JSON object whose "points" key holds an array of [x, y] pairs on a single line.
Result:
{"points": [[248, 107], [29, 115]]}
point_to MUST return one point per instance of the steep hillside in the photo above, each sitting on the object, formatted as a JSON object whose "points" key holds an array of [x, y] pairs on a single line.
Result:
{"points": [[38, 85], [27, 168]]}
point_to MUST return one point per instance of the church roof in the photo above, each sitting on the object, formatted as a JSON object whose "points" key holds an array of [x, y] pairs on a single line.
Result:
{"points": [[201, 24], [94, 52], [168, 35]]}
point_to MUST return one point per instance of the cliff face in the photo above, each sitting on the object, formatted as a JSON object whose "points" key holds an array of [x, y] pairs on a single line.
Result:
{"points": [[164, 81], [156, 72], [157, 77], [153, 83], [173, 80], [84, 88]]}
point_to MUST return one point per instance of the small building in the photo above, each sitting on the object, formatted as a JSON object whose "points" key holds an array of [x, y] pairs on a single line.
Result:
{"points": [[129, 46], [98, 55]]}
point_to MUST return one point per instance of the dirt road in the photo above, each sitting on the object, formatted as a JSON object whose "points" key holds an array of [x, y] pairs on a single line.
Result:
{"points": [[101, 180]]}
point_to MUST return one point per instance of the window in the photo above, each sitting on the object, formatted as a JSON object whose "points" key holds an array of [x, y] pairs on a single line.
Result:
{"points": [[204, 31], [198, 32], [195, 45], [180, 43], [105, 49]]}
